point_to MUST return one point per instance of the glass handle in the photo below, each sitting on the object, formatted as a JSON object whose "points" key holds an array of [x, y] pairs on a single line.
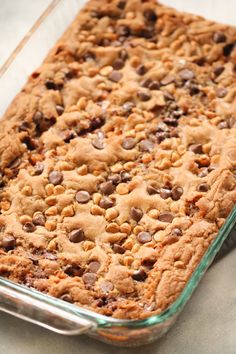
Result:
{"points": [[18, 302]]}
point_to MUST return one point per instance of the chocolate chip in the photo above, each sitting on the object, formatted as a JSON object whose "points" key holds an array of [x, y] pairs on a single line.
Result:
{"points": [[121, 4], [128, 106], [67, 298], [107, 188], [221, 92], [94, 266], [115, 76], [168, 79], [144, 237], [152, 190], [145, 83], [106, 203], [29, 227], [89, 278], [39, 219], [51, 85], [136, 214], [51, 256], [144, 96], [165, 193], [139, 275], [219, 37], [193, 88], [148, 262], [15, 163], [203, 187], [125, 176], [171, 121], [227, 49], [76, 235], [146, 146], [161, 136], [141, 69], [24, 127], [106, 286], [98, 143], [59, 109], [118, 249], [37, 117], [31, 144], [118, 64], [8, 242], [203, 173], [68, 135], [150, 15], [128, 143], [55, 177], [38, 169], [176, 232], [154, 85], [219, 70], [176, 192], [196, 148], [115, 179], [165, 216], [73, 270], [223, 125], [123, 54], [123, 31], [82, 197], [186, 74]]}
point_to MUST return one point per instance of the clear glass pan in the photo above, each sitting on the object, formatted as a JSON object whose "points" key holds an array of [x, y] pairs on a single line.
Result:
{"points": [[36, 307]]}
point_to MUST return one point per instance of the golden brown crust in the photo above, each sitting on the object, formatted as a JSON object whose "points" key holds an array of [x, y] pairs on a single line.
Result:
{"points": [[118, 158]]}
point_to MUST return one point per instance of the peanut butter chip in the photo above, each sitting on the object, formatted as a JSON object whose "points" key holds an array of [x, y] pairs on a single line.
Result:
{"points": [[89, 278], [76, 235], [139, 275], [118, 249], [136, 214], [29, 227], [144, 237], [82, 197], [106, 203], [94, 266], [146, 145], [128, 143], [106, 286], [107, 188], [8, 242], [166, 217], [39, 219], [176, 193], [55, 177]]}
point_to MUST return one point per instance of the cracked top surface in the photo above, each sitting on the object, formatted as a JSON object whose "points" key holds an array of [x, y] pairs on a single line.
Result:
{"points": [[118, 158]]}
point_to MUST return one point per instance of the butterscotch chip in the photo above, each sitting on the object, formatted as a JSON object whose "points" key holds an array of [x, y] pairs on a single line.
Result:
{"points": [[25, 218], [112, 227], [51, 211], [96, 210], [122, 188]]}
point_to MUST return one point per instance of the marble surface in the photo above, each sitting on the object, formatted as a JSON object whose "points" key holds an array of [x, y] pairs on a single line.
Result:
{"points": [[208, 322]]}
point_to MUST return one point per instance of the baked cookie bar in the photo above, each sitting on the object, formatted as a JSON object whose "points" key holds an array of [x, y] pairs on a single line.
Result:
{"points": [[118, 158]]}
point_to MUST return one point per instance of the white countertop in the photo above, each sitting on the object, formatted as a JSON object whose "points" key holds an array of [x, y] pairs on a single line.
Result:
{"points": [[208, 322]]}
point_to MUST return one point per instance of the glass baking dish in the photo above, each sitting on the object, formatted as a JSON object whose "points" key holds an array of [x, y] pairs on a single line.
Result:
{"points": [[41, 309]]}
